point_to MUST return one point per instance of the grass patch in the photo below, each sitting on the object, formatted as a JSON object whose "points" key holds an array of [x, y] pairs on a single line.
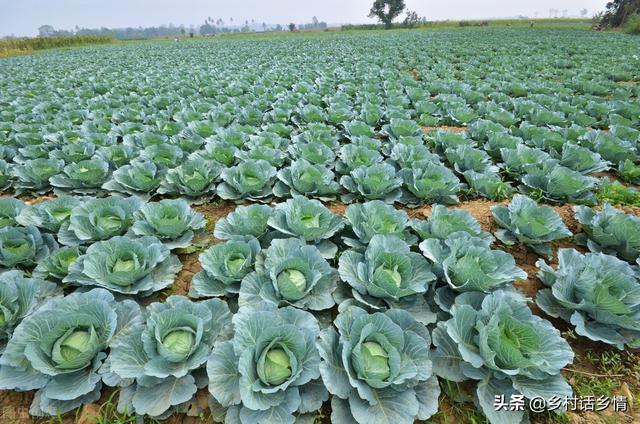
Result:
{"points": [[617, 194], [25, 45]]}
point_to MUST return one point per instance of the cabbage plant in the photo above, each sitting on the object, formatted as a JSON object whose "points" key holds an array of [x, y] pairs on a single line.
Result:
{"points": [[10, 209], [558, 184], [375, 182], [249, 220], [353, 156], [292, 274], [49, 215], [375, 217], [171, 221], [488, 184], [84, 177], [597, 293], [224, 266], [429, 183], [609, 231], [194, 178], [24, 246], [19, 297], [269, 370], [306, 179], [582, 159], [59, 350], [138, 178], [163, 355], [249, 180], [377, 368], [524, 221], [98, 219], [33, 175], [56, 265], [139, 266], [445, 221], [308, 220], [497, 342], [467, 264], [387, 275]]}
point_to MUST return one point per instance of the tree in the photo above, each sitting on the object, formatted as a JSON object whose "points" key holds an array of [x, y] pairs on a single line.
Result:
{"points": [[584, 12], [292, 27], [386, 11], [412, 19], [46, 31], [618, 11]]}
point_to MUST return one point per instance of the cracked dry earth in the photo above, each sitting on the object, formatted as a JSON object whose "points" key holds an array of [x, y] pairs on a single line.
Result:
{"points": [[590, 369]]}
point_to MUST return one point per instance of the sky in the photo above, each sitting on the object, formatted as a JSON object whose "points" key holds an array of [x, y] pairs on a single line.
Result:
{"points": [[23, 17]]}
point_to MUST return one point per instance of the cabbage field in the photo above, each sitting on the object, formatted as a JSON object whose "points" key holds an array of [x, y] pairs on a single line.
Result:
{"points": [[374, 228]]}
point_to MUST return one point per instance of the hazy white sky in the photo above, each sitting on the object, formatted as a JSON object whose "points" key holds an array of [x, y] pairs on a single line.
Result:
{"points": [[22, 17]]}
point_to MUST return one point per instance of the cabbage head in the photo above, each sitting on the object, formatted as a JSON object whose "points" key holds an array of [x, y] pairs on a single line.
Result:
{"points": [[387, 275], [375, 182], [20, 296], [292, 274], [597, 293], [609, 231], [163, 355], [224, 265], [524, 221], [497, 342], [24, 246], [306, 179], [174, 222], [308, 220], [269, 371], [60, 349], [372, 218], [98, 219], [249, 180], [249, 220], [377, 368], [139, 266]]}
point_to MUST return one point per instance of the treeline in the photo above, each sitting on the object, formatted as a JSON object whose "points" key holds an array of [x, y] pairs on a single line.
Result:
{"points": [[24, 45], [623, 14]]}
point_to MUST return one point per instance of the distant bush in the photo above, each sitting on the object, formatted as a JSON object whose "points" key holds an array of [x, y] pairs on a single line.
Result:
{"points": [[633, 25]]}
